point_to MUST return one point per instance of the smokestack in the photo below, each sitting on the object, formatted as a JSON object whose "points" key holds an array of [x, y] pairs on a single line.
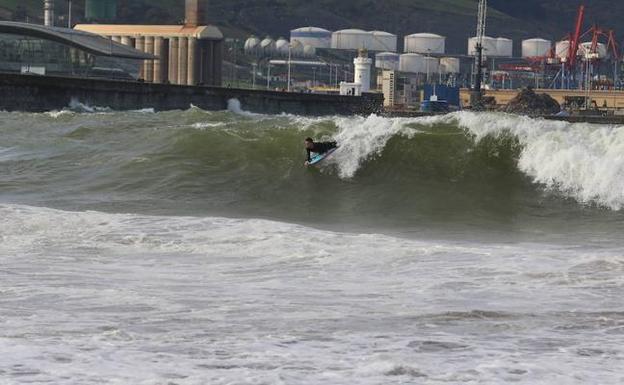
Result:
{"points": [[195, 13], [48, 13]]}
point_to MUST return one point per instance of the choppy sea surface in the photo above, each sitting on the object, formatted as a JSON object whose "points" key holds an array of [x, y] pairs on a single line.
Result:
{"points": [[193, 247]]}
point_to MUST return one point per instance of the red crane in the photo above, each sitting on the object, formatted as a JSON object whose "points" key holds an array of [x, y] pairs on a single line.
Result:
{"points": [[575, 39]]}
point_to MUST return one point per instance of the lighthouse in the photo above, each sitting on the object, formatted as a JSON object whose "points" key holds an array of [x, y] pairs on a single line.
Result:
{"points": [[363, 65]]}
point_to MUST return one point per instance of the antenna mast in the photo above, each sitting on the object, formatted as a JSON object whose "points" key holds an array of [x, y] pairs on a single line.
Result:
{"points": [[481, 23]]}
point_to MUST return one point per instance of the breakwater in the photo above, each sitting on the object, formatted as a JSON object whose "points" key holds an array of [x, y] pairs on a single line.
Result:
{"points": [[44, 93]]}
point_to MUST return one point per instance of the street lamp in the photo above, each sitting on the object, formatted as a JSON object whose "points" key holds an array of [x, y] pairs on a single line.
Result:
{"points": [[289, 64]]}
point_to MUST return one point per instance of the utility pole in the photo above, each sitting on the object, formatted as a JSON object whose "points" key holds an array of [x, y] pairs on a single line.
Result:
{"points": [[69, 14], [289, 59], [476, 96]]}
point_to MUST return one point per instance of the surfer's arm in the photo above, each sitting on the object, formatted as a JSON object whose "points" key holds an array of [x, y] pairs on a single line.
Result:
{"points": [[309, 158]]}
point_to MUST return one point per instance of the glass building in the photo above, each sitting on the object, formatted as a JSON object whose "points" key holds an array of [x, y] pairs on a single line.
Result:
{"points": [[36, 49]]}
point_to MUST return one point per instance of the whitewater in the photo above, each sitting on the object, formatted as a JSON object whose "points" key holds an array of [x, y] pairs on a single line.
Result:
{"points": [[193, 247]]}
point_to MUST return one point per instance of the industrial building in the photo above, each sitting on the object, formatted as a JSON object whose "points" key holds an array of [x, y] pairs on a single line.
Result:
{"points": [[36, 49], [189, 54]]}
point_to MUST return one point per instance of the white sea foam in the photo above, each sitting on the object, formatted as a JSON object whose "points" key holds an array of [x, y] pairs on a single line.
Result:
{"points": [[584, 161], [91, 297]]}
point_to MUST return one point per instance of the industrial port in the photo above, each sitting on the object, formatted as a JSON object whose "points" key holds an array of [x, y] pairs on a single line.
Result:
{"points": [[582, 71]]}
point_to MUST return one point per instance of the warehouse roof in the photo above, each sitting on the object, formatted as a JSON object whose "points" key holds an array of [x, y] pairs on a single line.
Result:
{"points": [[88, 42], [209, 32]]}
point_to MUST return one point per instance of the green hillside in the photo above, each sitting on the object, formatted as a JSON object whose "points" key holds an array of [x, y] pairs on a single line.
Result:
{"points": [[452, 18]]}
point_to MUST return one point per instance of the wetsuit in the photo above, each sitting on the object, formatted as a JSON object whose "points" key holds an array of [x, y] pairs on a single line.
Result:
{"points": [[321, 148]]}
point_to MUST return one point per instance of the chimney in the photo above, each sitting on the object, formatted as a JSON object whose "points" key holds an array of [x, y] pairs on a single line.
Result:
{"points": [[195, 13], [48, 13]]}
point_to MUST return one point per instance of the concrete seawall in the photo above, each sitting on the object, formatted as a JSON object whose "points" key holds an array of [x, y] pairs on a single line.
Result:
{"points": [[45, 93]]}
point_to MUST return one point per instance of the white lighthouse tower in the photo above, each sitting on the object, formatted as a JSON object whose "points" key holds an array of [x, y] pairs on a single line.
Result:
{"points": [[362, 77], [363, 65]]}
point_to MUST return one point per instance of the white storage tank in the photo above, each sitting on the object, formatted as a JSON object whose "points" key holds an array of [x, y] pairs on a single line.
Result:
{"points": [[425, 43], [383, 42], [535, 47], [281, 46], [412, 63], [504, 47], [489, 46], [562, 49], [296, 48], [352, 39], [309, 51], [312, 36], [586, 48], [387, 61], [432, 65], [267, 46], [450, 65], [252, 45]]}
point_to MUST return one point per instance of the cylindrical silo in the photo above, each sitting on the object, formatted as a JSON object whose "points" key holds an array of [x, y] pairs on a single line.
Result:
{"points": [[425, 43], [387, 61], [383, 42], [450, 65], [535, 47], [489, 46], [312, 36], [504, 47], [412, 63], [352, 39]]}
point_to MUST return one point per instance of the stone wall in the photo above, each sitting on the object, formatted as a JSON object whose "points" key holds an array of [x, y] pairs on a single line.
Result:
{"points": [[46, 93]]}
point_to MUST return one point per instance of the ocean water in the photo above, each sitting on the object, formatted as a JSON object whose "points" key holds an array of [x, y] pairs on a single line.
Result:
{"points": [[193, 247]]}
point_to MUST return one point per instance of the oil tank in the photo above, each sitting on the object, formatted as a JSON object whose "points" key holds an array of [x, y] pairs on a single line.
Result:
{"points": [[432, 65], [267, 46], [387, 61], [585, 50], [252, 45], [450, 65], [504, 47], [562, 49], [101, 10], [282, 46], [535, 47], [312, 36], [425, 43], [352, 39], [309, 51], [296, 48], [383, 42], [412, 63], [490, 48]]}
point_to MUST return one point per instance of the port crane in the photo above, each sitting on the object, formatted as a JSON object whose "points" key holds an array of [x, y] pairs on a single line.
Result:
{"points": [[476, 96]]}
